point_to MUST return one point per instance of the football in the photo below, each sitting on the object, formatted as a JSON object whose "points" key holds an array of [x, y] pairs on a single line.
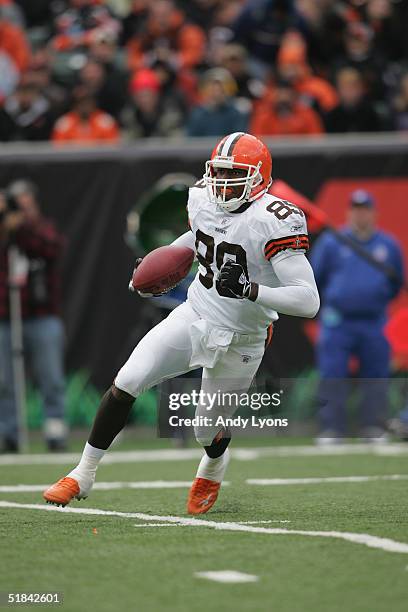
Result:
{"points": [[162, 269]]}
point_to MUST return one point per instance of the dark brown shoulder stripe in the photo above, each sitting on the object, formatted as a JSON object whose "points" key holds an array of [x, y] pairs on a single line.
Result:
{"points": [[294, 243], [279, 249], [288, 245], [285, 239]]}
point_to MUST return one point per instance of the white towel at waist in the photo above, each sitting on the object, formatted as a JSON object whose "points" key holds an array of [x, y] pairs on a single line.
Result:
{"points": [[209, 343]]}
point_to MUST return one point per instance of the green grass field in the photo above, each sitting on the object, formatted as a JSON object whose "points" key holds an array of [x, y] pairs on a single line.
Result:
{"points": [[121, 563]]}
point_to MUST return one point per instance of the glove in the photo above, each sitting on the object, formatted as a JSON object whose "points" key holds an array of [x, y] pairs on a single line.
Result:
{"points": [[131, 287], [233, 278], [144, 295]]}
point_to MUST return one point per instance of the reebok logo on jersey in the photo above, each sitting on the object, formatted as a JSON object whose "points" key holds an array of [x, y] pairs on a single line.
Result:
{"points": [[296, 228], [220, 230]]}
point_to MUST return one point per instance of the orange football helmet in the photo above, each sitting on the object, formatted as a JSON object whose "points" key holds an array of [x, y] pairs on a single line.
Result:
{"points": [[242, 152]]}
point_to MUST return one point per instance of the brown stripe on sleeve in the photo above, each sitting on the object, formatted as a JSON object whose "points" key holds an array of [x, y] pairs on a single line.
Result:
{"points": [[290, 242]]}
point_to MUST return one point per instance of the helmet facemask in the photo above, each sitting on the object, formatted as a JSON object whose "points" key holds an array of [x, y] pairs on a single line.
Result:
{"points": [[219, 189]]}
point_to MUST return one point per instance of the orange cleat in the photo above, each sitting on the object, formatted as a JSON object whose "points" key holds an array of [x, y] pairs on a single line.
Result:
{"points": [[202, 496], [62, 492]]}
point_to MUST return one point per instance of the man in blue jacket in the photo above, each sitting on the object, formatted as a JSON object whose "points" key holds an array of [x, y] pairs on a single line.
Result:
{"points": [[355, 295], [220, 112]]}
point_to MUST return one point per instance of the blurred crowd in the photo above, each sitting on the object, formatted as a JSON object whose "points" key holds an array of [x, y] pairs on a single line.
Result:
{"points": [[101, 70]]}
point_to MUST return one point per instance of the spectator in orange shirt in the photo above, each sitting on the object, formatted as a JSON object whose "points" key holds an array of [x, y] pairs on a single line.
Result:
{"points": [[166, 36], [281, 113], [85, 123], [14, 55], [293, 66]]}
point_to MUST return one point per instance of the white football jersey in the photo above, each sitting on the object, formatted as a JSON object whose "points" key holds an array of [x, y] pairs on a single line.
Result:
{"points": [[255, 238]]}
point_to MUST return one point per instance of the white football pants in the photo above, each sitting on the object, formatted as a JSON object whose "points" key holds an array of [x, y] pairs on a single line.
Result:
{"points": [[175, 346]]}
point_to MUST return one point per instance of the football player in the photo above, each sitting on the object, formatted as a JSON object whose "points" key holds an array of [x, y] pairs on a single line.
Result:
{"points": [[251, 252]]}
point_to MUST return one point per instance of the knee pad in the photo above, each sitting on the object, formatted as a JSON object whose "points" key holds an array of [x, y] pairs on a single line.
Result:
{"points": [[219, 445]]}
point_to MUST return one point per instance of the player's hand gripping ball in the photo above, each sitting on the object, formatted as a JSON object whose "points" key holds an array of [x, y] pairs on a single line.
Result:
{"points": [[161, 270]]}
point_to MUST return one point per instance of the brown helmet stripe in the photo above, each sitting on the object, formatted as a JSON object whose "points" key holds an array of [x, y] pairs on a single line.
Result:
{"points": [[220, 145], [230, 142]]}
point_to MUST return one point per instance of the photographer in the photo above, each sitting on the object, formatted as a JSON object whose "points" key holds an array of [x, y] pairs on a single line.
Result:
{"points": [[39, 249]]}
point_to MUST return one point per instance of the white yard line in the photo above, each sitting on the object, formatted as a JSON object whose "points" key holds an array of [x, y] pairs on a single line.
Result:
{"points": [[177, 525], [187, 454], [156, 525], [262, 522], [227, 576], [107, 486], [185, 484], [143, 456], [297, 481], [357, 538]]}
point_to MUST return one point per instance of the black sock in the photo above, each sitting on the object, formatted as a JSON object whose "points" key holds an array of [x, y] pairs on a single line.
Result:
{"points": [[218, 448], [110, 419]]}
